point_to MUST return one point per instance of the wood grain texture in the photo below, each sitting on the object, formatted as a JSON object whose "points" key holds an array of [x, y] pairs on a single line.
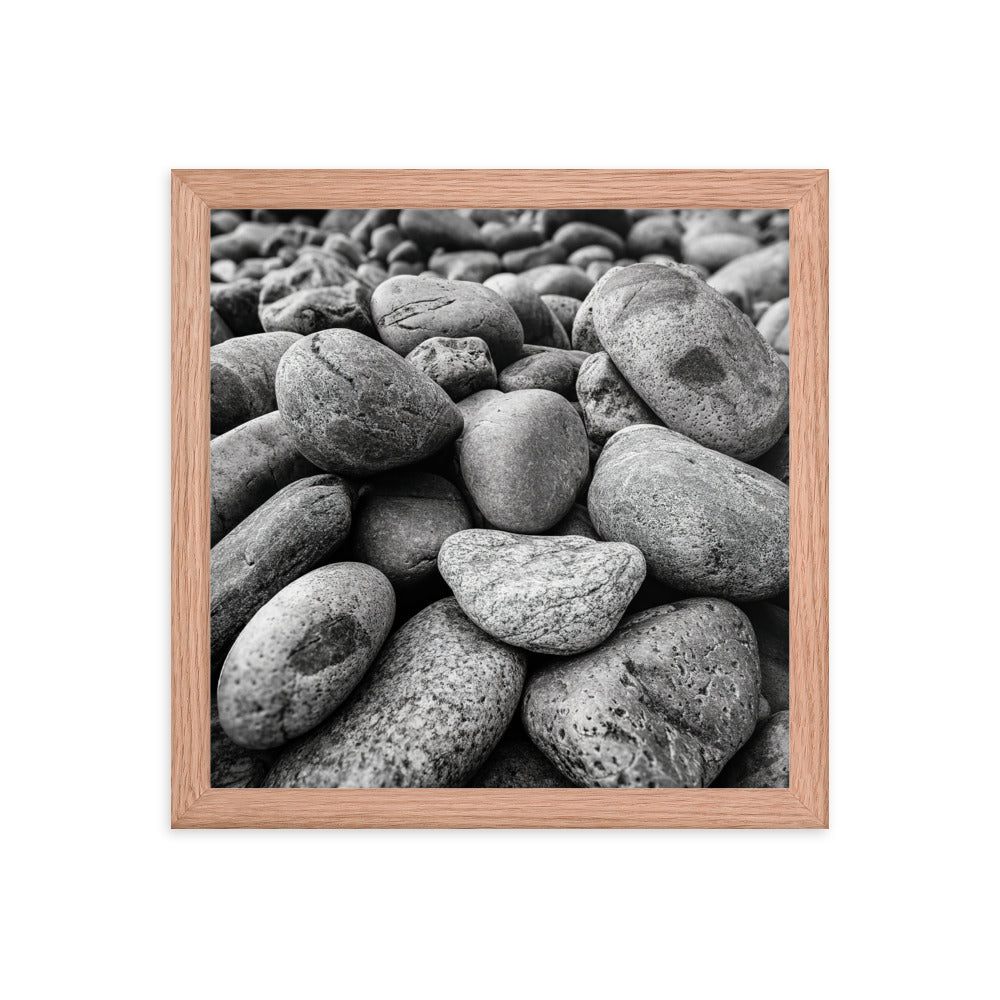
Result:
{"points": [[499, 188], [194, 804]]}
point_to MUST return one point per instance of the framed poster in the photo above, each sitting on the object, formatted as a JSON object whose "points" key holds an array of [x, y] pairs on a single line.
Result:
{"points": [[499, 516]]}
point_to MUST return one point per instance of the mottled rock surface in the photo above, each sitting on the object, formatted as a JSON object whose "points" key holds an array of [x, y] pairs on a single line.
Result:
{"points": [[410, 309], [706, 523], [547, 595], [402, 521], [460, 365], [303, 652], [694, 358], [356, 407], [663, 703], [523, 456], [249, 464], [278, 542], [427, 714], [609, 403]]}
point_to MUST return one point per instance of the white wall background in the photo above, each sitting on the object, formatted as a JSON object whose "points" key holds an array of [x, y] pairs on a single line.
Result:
{"points": [[897, 899]]}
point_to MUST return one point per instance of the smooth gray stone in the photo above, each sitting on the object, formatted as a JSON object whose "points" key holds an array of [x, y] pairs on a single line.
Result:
{"points": [[408, 310], [714, 250], [754, 277], [655, 234], [426, 715], [558, 595], [242, 372], [609, 403], [575, 235], [278, 542], [564, 308], [523, 456], [303, 652], [356, 407], [538, 322], [402, 521], [763, 762], [558, 279], [533, 256], [773, 324], [460, 365], [344, 306], [576, 522], [663, 703], [439, 227], [465, 265], [583, 336], [236, 303], [695, 359], [552, 370], [586, 256], [706, 523], [244, 241], [249, 464]]}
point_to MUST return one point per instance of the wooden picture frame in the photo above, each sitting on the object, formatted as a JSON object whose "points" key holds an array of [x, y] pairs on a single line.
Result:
{"points": [[195, 804]]}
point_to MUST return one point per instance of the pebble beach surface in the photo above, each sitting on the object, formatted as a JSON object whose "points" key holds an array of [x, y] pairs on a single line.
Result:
{"points": [[499, 498]]}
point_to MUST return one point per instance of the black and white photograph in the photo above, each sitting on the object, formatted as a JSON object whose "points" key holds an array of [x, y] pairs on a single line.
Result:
{"points": [[499, 498]]}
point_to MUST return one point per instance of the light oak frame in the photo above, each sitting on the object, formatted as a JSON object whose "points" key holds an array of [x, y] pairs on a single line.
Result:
{"points": [[195, 804]]}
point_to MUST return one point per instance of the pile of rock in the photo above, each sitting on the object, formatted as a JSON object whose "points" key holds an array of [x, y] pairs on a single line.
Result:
{"points": [[499, 498]]}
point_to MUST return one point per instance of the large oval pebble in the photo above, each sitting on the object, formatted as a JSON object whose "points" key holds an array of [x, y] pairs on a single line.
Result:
{"points": [[356, 407], [706, 523], [303, 652]]}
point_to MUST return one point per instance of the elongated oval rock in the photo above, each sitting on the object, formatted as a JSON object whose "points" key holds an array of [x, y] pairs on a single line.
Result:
{"points": [[706, 523], [278, 542], [696, 360], [410, 309], [755, 277], [249, 464], [356, 407], [426, 715], [663, 703], [303, 652], [547, 595], [523, 457], [439, 227], [242, 377], [554, 370], [402, 522]]}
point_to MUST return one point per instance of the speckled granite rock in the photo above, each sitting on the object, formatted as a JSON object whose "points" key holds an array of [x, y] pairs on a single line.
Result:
{"points": [[242, 377], [609, 402], [277, 543], [339, 306], [518, 763], [706, 523], [356, 407], [694, 358], [427, 714], [249, 464], [401, 522], [523, 456], [663, 703], [410, 309], [439, 227], [770, 625], [547, 595], [763, 761], [460, 365], [552, 370], [233, 766], [576, 522], [303, 652]]}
